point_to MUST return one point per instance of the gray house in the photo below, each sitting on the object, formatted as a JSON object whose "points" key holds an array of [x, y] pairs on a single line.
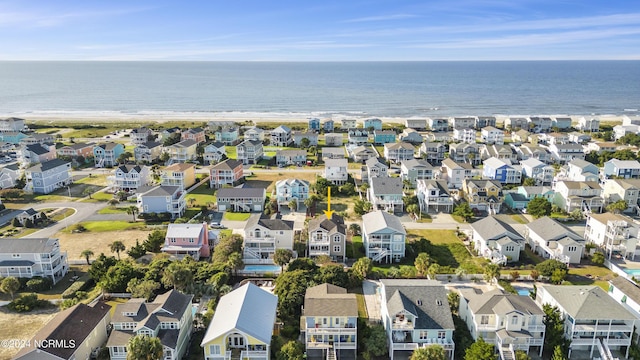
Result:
{"points": [[161, 199], [48, 176], [241, 199], [327, 237]]}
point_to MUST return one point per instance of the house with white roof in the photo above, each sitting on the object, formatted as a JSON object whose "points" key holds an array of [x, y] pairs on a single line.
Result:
{"points": [[593, 321], [262, 237], [11, 124], [346, 124], [242, 325], [188, 240], [335, 170], [415, 314], [612, 233], [588, 124], [254, 133], [537, 170], [580, 170], [578, 137], [508, 321], [416, 124], [561, 122], [552, 240], [492, 135], [383, 237], [622, 130], [625, 169], [496, 240], [299, 136]]}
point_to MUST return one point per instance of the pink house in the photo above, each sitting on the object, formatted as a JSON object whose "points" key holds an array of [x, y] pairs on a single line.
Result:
{"points": [[188, 239], [195, 134]]}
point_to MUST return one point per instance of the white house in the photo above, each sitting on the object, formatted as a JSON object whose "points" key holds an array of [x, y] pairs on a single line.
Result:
{"points": [[496, 240], [281, 136], [582, 195], [29, 257], [398, 152], [465, 135], [335, 170], [492, 135], [612, 233], [627, 190], [383, 237], [128, 178], [552, 240], [588, 124], [537, 170], [262, 237], [292, 189], [434, 195]]}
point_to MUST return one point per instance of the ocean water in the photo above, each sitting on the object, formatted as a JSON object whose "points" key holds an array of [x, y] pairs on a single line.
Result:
{"points": [[321, 88]]}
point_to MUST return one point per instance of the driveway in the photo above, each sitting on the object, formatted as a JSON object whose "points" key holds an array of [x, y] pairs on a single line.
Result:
{"points": [[83, 211], [370, 291]]}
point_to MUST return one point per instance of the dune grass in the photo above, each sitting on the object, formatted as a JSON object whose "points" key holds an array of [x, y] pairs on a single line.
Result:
{"points": [[103, 226]]}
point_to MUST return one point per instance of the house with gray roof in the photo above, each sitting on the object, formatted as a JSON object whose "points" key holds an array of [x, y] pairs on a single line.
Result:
{"points": [[214, 152], [398, 152], [375, 167], [262, 237], [169, 317], [291, 157], [333, 139], [409, 135], [626, 293], [228, 172], [416, 169], [298, 136], [29, 257], [82, 328], [281, 136], [415, 314], [329, 322], [141, 135], [9, 174], [434, 195], [386, 193], [242, 325], [129, 178], [335, 170], [508, 321], [148, 152], [332, 153], [36, 153], [592, 319], [106, 155], [383, 237], [552, 240], [250, 151], [496, 240], [241, 199], [327, 237], [161, 199], [49, 176], [416, 124], [362, 153], [28, 214]]}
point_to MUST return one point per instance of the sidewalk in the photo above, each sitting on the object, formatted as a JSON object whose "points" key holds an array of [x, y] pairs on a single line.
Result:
{"points": [[370, 291]]}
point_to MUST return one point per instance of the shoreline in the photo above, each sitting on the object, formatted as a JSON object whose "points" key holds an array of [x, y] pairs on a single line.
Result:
{"points": [[256, 117]]}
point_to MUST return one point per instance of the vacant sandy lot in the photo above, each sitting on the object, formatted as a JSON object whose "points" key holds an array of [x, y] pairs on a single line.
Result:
{"points": [[98, 242], [21, 327]]}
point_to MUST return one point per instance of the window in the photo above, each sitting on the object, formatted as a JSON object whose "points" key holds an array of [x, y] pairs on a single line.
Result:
{"points": [[442, 334], [15, 255], [336, 248], [484, 320], [509, 248], [424, 335], [514, 320], [336, 238], [214, 349], [572, 248]]}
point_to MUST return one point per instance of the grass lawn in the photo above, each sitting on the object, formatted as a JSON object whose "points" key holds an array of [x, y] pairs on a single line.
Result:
{"points": [[112, 210], [99, 180], [362, 306], [447, 248], [63, 214], [231, 152], [236, 216], [102, 226], [435, 236], [357, 247], [203, 195], [459, 219], [519, 218]]}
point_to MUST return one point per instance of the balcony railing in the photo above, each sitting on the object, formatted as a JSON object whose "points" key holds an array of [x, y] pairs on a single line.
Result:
{"points": [[603, 328], [247, 354]]}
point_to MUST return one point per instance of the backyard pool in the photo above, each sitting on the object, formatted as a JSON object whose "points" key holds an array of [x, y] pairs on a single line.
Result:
{"points": [[633, 272], [522, 290], [261, 268]]}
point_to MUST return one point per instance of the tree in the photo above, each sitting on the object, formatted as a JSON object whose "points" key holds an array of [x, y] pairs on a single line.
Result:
{"points": [[433, 352], [617, 207], [515, 275], [304, 143], [464, 211], [362, 267], [354, 229], [293, 205], [529, 182], [547, 267], [172, 139], [137, 251], [113, 202], [87, 192], [140, 288], [292, 350], [534, 274], [28, 223], [178, 276], [597, 258], [332, 274], [521, 355], [422, 263], [234, 262], [133, 211], [118, 276], [376, 343], [554, 329], [15, 222], [454, 301], [100, 266], [87, 254], [539, 207], [282, 257], [480, 350], [558, 275], [576, 215], [413, 209], [10, 285], [155, 240], [116, 247], [347, 189], [557, 353], [491, 272], [290, 287], [144, 347]]}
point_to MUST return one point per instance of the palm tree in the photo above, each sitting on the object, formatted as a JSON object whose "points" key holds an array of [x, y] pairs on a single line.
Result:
{"points": [[144, 347], [87, 254], [113, 202], [133, 211], [116, 247]]}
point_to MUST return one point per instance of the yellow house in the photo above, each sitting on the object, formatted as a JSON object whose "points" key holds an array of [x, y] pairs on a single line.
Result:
{"points": [[483, 195], [242, 325], [179, 174]]}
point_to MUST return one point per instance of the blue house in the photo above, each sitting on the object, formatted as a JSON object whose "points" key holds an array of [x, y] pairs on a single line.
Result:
{"points": [[376, 124], [227, 135], [502, 171], [625, 169], [328, 126], [314, 124], [384, 137], [520, 198], [106, 155], [12, 137]]}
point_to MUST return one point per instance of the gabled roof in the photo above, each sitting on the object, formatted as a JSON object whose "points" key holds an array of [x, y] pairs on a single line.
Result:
{"points": [[582, 164], [491, 228], [532, 163], [329, 300], [386, 185], [26, 245], [499, 303], [335, 225], [228, 164], [551, 230], [292, 182], [150, 144], [282, 128], [376, 162], [587, 302], [48, 165], [37, 149], [441, 185], [179, 167], [185, 143], [399, 145], [130, 168], [428, 299], [625, 164], [248, 309], [379, 220], [496, 163], [109, 145], [240, 192], [336, 163], [250, 142], [417, 163], [629, 288], [184, 231], [160, 190]]}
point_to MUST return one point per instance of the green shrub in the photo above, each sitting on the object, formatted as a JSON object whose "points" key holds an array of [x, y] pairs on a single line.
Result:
{"points": [[67, 303], [38, 283], [27, 303], [81, 284]]}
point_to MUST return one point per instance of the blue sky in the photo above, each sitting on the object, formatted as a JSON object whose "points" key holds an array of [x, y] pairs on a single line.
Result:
{"points": [[327, 30]]}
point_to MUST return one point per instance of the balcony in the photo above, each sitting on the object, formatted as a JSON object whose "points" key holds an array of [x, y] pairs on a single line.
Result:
{"points": [[402, 324], [606, 328], [247, 354]]}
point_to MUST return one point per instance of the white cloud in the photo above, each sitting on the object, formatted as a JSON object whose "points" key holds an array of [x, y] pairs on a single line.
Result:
{"points": [[381, 18]]}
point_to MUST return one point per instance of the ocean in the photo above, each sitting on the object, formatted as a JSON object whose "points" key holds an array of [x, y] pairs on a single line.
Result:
{"points": [[385, 89]]}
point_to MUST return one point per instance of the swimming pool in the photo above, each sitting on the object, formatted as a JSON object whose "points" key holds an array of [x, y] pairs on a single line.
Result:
{"points": [[633, 272], [522, 290], [262, 268]]}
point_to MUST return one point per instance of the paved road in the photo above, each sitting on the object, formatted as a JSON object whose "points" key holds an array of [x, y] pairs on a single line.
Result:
{"points": [[83, 211]]}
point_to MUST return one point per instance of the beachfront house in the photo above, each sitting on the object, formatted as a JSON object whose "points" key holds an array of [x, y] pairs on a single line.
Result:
{"points": [[226, 173], [502, 171], [372, 124], [327, 237], [434, 195], [496, 240], [333, 139], [625, 169], [128, 178], [613, 233], [180, 174], [169, 317], [492, 135], [415, 314], [299, 136], [254, 133], [214, 152], [314, 124], [12, 124], [416, 124], [582, 195], [383, 237], [540, 124], [484, 121], [81, 329], [228, 135], [148, 152], [29, 257], [593, 321], [462, 122], [262, 237], [516, 123], [249, 151], [510, 322], [561, 122], [329, 322], [335, 170], [161, 199], [328, 126], [141, 135], [281, 136], [588, 124], [483, 195], [106, 155], [416, 169], [385, 193], [293, 157], [437, 125], [188, 240], [381, 137], [347, 124], [48, 176], [242, 325], [288, 190], [552, 240], [241, 199]]}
